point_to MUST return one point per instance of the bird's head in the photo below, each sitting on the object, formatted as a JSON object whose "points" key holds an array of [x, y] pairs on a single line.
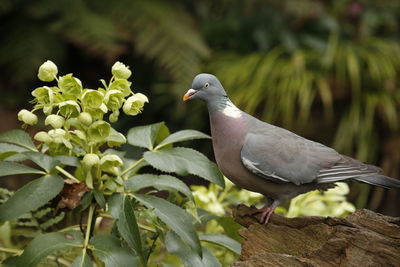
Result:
{"points": [[205, 87]]}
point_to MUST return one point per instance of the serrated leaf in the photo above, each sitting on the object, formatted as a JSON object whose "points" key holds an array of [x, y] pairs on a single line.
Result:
{"points": [[175, 217], [18, 137], [44, 161], [13, 168], [189, 257], [45, 244], [222, 240], [129, 229], [108, 249], [182, 136], [99, 197], [182, 161], [160, 182], [31, 196], [87, 262], [144, 136]]}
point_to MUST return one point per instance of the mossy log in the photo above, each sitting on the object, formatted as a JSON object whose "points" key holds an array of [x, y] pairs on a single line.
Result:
{"points": [[364, 238]]}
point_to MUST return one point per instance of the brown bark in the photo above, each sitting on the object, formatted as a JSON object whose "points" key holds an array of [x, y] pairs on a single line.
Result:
{"points": [[362, 239]]}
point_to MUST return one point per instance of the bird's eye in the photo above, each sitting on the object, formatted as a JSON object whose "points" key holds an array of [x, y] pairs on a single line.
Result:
{"points": [[206, 85]]}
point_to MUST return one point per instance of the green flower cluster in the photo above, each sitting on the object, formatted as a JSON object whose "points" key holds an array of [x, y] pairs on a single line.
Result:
{"points": [[76, 114]]}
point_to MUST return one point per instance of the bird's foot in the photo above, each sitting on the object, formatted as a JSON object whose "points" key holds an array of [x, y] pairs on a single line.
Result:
{"points": [[266, 213]]}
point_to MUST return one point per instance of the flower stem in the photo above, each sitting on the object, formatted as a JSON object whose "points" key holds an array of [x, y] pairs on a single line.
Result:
{"points": [[132, 166], [88, 230], [70, 176]]}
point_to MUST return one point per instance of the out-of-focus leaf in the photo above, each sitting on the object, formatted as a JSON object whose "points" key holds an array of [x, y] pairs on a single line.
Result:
{"points": [[11, 152], [87, 262], [110, 251], [183, 135], [114, 204], [99, 197], [18, 137], [67, 160], [173, 216], [182, 161], [144, 136], [231, 227], [160, 182], [45, 244], [128, 228], [13, 168], [44, 161], [31, 196], [222, 240], [189, 257]]}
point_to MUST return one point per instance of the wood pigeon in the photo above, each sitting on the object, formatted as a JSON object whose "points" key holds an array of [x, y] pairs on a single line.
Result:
{"points": [[275, 162]]}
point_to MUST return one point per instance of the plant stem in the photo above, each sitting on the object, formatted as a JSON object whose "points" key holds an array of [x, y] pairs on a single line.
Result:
{"points": [[11, 250], [88, 230], [132, 166], [70, 176]]}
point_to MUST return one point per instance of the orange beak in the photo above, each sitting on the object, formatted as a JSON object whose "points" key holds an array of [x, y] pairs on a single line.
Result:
{"points": [[188, 94]]}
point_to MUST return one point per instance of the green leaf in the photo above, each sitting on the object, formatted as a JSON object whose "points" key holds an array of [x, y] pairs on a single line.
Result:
{"points": [[182, 136], [108, 248], [145, 136], [87, 262], [128, 228], [99, 197], [189, 257], [31, 196], [231, 228], [175, 217], [67, 160], [85, 202], [205, 216], [8, 150], [44, 161], [160, 182], [45, 244], [13, 168], [115, 204], [182, 161], [18, 137], [222, 240]]}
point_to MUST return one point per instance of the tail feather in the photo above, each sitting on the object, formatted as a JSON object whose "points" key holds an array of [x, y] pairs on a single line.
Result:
{"points": [[379, 180]]}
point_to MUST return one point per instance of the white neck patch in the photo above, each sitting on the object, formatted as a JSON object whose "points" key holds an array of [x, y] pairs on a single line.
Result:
{"points": [[232, 111]]}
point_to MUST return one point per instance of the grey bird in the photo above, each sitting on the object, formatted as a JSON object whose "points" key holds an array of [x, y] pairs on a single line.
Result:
{"points": [[275, 162]]}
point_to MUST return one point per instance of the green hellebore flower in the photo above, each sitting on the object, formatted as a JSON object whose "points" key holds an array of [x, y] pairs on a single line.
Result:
{"points": [[55, 121], [122, 85], [43, 137], [110, 162], [99, 131], [57, 135], [47, 71], [115, 138], [90, 160], [81, 135], [43, 95], [71, 87], [27, 117], [114, 99], [69, 108], [119, 70], [134, 104], [92, 98], [85, 118]]}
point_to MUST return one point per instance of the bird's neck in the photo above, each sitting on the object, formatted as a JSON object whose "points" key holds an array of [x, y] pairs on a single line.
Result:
{"points": [[223, 105]]}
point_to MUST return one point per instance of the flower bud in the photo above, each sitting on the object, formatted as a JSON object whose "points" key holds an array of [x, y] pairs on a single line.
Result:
{"points": [[69, 108], [43, 95], [57, 135], [71, 87], [85, 118], [120, 71], [27, 117], [55, 121], [134, 104], [113, 99], [43, 137], [122, 85], [114, 116], [92, 99], [99, 131], [47, 71], [90, 160]]}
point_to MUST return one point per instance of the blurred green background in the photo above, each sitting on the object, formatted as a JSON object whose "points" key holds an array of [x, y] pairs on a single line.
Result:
{"points": [[327, 70]]}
